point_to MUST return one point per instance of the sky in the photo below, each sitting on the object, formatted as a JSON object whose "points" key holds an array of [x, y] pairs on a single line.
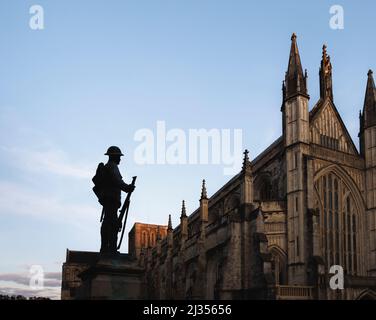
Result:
{"points": [[101, 71]]}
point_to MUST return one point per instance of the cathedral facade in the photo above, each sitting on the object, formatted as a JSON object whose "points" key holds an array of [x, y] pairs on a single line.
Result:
{"points": [[305, 204]]}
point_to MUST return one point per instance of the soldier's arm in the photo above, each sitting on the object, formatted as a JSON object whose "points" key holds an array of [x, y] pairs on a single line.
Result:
{"points": [[120, 183], [126, 187]]}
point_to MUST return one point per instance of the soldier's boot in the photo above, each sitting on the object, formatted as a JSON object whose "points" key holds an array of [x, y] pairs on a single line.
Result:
{"points": [[113, 241], [104, 239]]}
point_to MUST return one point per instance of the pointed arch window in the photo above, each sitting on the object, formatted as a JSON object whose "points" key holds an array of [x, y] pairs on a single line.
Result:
{"points": [[265, 190], [338, 223], [350, 242], [144, 239], [152, 239], [279, 266]]}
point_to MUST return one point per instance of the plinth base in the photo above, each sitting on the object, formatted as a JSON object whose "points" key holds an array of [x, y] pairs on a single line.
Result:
{"points": [[112, 278]]}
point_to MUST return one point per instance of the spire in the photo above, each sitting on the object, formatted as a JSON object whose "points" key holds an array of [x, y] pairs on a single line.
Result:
{"points": [[183, 211], [183, 222], [169, 228], [246, 162], [326, 87], [246, 157], [204, 194], [295, 80], [204, 204], [369, 108], [370, 98]]}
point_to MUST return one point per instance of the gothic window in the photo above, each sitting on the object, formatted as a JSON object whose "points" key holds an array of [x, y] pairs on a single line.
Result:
{"points": [[279, 266], [232, 203], [144, 239], [338, 223], [214, 214], [218, 280], [265, 190], [152, 239], [350, 228]]}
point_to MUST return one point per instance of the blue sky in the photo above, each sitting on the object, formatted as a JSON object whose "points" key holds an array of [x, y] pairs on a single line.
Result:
{"points": [[101, 70]]}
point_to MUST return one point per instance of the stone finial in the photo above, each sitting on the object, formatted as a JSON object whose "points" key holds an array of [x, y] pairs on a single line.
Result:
{"points": [[246, 153], [326, 86], [246, 162], [325, 57], [183, 211], [370, 73], [204, 194], [169, 227], [324, 50], [293, 36]]}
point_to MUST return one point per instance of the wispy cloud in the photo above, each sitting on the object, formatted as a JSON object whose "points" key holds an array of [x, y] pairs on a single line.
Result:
{"points": [[51, 279], [52, 293], [53, 275], [19, 284], [18, 200], [51, 160]]}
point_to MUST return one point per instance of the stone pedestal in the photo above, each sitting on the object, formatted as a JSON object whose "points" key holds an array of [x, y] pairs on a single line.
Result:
{"points": [[113, 278]]}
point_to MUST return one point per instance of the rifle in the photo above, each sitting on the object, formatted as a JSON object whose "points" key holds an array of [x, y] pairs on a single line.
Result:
{"points": [[102, 215], [124, 211]]}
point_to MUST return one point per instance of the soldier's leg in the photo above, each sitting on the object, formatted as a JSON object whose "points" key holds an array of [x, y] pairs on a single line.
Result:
{"points": [[104, 237], [114, 229], [115, 235], [106, 229]]}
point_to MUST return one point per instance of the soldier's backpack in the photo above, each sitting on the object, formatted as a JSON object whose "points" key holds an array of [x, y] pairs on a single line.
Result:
{"points": [[100, 181]]}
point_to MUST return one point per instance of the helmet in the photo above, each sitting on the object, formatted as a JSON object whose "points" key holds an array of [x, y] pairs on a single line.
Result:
{"points": [[113, 151]]}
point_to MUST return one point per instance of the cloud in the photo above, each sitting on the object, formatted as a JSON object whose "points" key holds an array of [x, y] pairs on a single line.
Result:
{"points": [[52, 293], [18, 200], [15, 277], [52, 160], [19, 284], [53, 275], [25, 280]]}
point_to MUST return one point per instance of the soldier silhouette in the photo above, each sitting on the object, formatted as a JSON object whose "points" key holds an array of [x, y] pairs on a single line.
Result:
{"points": [[108, 186]]}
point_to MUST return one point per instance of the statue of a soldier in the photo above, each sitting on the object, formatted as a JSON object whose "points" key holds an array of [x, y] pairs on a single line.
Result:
{"points": [[108, 186]]}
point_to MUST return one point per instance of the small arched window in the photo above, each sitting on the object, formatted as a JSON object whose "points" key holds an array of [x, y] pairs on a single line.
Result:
{"points": [[144, 239], [152, 239]]}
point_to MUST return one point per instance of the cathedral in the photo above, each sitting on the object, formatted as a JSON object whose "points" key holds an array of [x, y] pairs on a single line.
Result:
{"points": [[273, 231], [305, 204]]}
